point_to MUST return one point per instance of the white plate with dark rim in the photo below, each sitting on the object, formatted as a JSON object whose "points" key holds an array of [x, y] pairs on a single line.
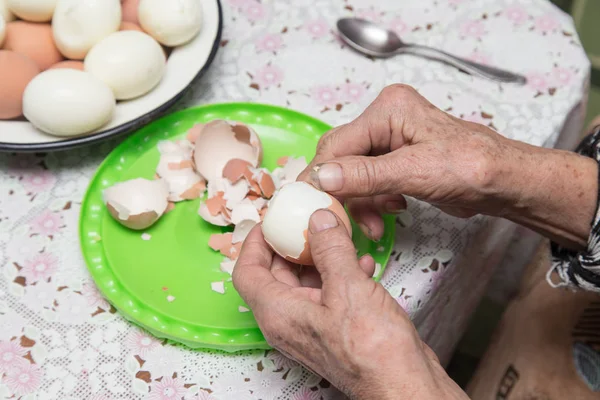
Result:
{"points": [[185, 64]]}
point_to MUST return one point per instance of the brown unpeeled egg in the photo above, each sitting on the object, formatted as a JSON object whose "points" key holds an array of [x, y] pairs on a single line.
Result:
{"points": [[33, 40], [70, 64], [16, 71]]}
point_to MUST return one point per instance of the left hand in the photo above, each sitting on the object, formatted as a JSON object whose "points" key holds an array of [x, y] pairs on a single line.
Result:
{"points": [[349, 330]]}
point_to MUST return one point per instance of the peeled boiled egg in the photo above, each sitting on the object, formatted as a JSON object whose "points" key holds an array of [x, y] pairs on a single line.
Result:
{"points": [[78, 65], [33, 10], [33, 40], [67, 102], [285, 226], [130, 10], [16, 71], [221, 141], [131, 63], [79, 24], [130, 26], [172, 23], [5, 11], [137, 203]]}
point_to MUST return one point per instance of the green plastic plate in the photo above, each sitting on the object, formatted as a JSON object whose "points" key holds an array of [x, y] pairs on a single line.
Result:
{"points": [[137, 276]]}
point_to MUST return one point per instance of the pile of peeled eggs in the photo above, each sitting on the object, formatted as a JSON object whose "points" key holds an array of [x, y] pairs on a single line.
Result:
{"points": [[219, 162], [64, 64]]}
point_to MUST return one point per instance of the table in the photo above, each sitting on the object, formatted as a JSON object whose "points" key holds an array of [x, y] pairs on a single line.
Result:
{"points": [[76, 346]]}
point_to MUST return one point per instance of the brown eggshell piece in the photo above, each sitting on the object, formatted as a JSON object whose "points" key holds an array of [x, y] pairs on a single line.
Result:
{"points": [[338, 209], [180, 165], [130, 26], [16, 71], [33, 40], [69, 64], [170, 207], [216, 204], [281, 161], [220, 241], [194, 132], [195, 191], [267, 186], [136, 222], [129, 10], [236, 169]]}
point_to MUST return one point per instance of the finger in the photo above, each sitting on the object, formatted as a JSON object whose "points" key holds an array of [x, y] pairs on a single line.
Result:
{"points": [[366, 212], [367, 264], [285, 272], [334, 255], [401, 172], [310, 277], [252, 276]]}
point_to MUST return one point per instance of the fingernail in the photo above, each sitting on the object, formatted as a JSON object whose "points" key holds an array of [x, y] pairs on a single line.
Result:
{"points": [[327, 177], [366, 230], [394, 207], [322, 220]]}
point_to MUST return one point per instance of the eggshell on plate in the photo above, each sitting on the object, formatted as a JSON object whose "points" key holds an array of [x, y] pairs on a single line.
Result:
{"points": [[131, 63], [130, 10], [78, 25], [5, 11], [33, 10], [67, 102], [33, 40], [221, 141], [285, 225], [172, 23], [16, 71], [137, 203], [78, 65]]}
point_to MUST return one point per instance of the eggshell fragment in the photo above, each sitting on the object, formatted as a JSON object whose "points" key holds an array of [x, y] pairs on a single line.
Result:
{"points": [[78, 65], [176, 168], [131, 63], [137, 203], [194, 132], [241, 230], [227, 266], [34, 41], [16, 71], [285, 224], [32, 10], [222, 242], [218, 287], [67, 102], [171, 23], [243, 309], [245, 210], [78, 25], [221, 141]]}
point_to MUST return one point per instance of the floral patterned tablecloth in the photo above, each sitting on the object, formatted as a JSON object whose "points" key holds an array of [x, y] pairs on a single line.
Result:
{"points": [[59, 339]]}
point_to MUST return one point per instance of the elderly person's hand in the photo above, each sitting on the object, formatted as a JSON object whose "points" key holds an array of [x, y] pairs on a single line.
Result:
{"points": [[403, 145], [350, 330]]}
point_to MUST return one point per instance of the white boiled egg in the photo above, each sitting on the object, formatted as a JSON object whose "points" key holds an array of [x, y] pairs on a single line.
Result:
{"points": [[2, 30], [172, 23], [67, 102], [79, 24], [285, 226], [5, 11], [131, 63], [137, 203], [33, 10]]}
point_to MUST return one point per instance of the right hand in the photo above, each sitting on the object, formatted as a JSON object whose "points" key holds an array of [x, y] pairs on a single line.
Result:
{"points": [[403, 145]]}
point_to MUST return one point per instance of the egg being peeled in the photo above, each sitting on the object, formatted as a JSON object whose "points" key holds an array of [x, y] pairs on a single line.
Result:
{"points": [[285, 226], [172, 23], [33, 10], [16, 71], [137, 203], [219, 142], [131, 63], [33, 40], [67, 102], [79, 24]]}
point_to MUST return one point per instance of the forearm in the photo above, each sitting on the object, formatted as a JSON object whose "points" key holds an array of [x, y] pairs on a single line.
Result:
{"points": [[553, 192]]}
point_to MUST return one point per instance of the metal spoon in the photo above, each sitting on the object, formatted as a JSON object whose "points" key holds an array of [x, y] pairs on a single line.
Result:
{"points": [[375, 41]]}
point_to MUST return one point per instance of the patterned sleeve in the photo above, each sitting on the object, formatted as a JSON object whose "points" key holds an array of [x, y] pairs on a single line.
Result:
{"points": [[581, 269]]}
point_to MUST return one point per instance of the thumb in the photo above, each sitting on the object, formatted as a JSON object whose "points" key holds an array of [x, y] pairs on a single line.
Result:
{"points": [[363, 176]]}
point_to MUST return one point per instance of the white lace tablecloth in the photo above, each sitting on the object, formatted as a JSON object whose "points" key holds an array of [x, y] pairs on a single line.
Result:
{"points": [[59, 339]]}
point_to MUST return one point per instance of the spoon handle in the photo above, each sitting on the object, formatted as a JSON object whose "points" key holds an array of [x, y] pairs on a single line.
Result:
{"points": [[470, 67]]}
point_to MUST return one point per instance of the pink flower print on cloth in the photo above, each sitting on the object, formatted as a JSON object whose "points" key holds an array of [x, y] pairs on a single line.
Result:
{"points": [[269, 42], [562, 76], [281, 361], [352, 92], [11, 355], [325, 96], [398, 25], [479, 57], [38, 180], [317, 28], [369, 14], [93, 297], [140, 343], [517, 14], [254, 11], [472, 29], [23, 378], [268, 76], [167, 389], [306, 394], [546, 23], [538, 81], [47, 223], [39, 268]]}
